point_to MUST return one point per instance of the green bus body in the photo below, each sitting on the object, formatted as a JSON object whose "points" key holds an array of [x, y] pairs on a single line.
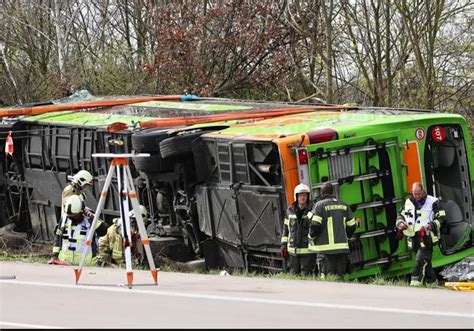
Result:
{"points": [[223, 192], [374, 248]]}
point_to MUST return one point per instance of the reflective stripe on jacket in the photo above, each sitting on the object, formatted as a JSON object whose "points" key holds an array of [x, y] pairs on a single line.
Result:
{"points": [[331, 225], [416, 217], [111, 245], [73, 244], [295, 231], [70, 241]]}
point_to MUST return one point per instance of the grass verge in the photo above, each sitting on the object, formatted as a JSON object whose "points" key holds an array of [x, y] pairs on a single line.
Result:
{"points": [[37, 253]]}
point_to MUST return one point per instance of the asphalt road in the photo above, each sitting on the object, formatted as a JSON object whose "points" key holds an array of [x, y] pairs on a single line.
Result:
{"points": [[45, 296]]}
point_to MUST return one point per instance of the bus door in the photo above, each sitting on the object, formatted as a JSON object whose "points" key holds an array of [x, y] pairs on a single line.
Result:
{"points": [[447, 177]]}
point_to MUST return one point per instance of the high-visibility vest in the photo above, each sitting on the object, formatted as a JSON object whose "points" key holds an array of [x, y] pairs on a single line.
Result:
{"points": [[422, 215], [418, 218], [74, 242]]}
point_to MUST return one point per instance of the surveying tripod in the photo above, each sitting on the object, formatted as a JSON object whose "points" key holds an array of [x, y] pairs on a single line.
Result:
{"points": [[126, 192]]}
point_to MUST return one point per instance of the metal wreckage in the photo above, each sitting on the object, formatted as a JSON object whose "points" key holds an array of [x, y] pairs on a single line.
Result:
{"points": [[221, 172]]}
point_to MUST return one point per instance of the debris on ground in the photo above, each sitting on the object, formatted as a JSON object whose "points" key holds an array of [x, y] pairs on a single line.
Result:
{"points": [[9, 238], [190, 266], [57, 261], [462, 271], [224, 273], [7, 277]]}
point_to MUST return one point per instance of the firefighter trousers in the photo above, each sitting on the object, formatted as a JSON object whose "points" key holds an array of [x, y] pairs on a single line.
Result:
{"points": [[423, 270], [302, 264], [335, 264]]}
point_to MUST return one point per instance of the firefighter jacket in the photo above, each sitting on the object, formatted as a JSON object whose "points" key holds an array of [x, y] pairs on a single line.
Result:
{"points": [[70, 242], [331, 224], [416, 217], [295, 229], [111, 245]]}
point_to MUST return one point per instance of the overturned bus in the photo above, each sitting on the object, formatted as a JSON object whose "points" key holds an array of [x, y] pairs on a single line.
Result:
{"points": [[217, 186]]}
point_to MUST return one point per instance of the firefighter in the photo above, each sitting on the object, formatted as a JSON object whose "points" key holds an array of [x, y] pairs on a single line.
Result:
{"points": [[70, 241], [331, 226], [111, 246], [420, 221], [294, 240], [79, 183]]}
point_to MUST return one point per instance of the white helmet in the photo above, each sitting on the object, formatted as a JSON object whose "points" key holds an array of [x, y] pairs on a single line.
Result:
{"points": [[143, 212], [301, 188], [73, 205], [82, 178]]}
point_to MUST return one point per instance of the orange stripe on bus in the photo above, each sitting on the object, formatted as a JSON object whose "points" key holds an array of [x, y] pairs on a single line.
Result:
{"points": [[412, 160], [37, 110], [271, 113], [289, 166]]}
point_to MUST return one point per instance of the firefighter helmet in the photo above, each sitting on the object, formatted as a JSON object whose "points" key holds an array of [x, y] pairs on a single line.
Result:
{"points": [[82, 178], [143, 212], [301, 188], [74, 205]]}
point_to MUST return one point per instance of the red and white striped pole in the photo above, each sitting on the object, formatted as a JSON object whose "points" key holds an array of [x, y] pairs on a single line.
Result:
{"points": [[9, 144]]}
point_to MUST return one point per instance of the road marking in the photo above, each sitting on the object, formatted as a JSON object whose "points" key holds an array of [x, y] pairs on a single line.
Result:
{"points": [[158, 292], [31, 326]]}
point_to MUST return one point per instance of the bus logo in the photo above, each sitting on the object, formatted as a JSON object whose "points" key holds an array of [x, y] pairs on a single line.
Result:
{"points": [[420, 133]]}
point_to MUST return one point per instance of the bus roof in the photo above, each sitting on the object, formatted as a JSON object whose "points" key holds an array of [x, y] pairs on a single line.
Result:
{"points": [[343, 120], [150, 110], [364, 121]]}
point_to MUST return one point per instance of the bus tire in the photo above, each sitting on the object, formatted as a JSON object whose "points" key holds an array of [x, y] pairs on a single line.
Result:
{"points": [[147, 141], [150, 164], [179, 144]]}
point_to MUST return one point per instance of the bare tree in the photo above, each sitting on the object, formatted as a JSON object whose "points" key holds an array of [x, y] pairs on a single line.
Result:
{"points": [[313, 20], [385, 53], [376, 45], [423, 21], [237, 45]]}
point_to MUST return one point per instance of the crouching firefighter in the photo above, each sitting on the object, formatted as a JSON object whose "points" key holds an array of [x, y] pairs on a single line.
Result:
{"points": [[331, 226], [71, 234], [294, 240], [420, 221], [112, 244]]}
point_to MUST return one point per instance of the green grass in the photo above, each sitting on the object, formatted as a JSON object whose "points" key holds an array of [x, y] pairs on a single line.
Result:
{"points": [[31, 258], [383, 280], [282, 275], [29, 252]]}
